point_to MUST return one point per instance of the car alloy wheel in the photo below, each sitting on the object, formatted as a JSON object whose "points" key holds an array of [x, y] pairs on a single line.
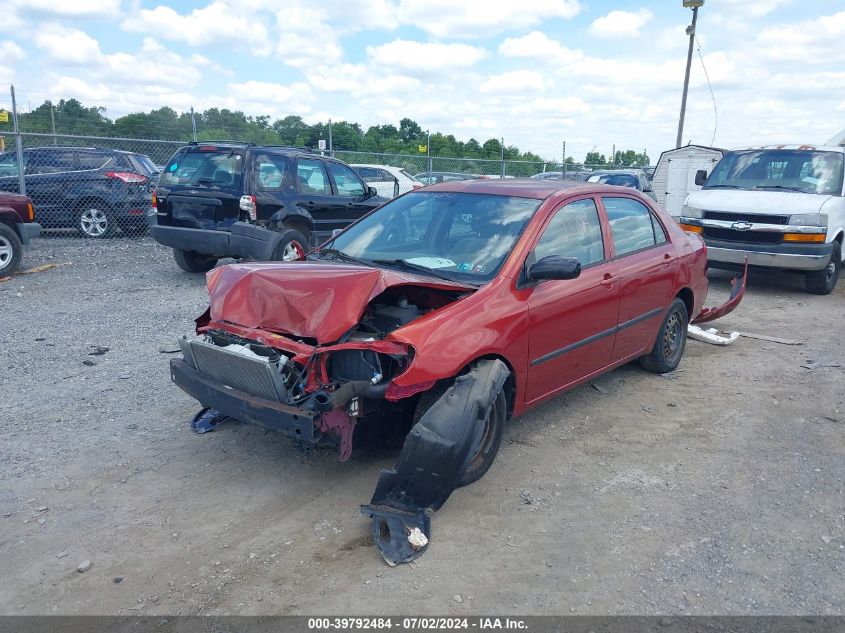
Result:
{"points": [[94, 222], [6, 252]]}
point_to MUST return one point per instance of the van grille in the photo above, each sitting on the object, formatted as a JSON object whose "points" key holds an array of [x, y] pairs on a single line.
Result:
{"points": [[746, 217]]}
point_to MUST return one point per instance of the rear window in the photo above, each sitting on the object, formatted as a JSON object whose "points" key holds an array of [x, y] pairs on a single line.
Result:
{"points": [[143, 164], [90, 160], [211, 169]]}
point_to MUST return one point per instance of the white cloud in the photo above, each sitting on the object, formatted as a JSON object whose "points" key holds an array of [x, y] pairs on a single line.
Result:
{"points": [[219, 24], [69, 46], [480, 18], [809, 42], [11, 52], [743, 9], [538, 45], [69, 9], [424, 57], [620, 23], [517, 81], [275, 99]]}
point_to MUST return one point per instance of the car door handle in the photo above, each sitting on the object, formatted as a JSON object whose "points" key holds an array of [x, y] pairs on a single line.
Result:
{"points": [[667, 259], [607, 280]]}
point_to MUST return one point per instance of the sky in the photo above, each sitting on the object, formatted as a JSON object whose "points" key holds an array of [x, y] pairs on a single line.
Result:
{"points": [[535, 72]]}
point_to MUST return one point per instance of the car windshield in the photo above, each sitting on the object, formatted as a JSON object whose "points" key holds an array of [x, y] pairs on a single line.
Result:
{"points": [[806, 171], [210, 168], [461, 236], [620, 180]]}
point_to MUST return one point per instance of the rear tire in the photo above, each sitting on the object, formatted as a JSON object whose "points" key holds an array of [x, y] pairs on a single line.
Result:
{"points": [[668, 349], [95, 220], [822, 282], [11, 250], [193, 262], [291, 247]]}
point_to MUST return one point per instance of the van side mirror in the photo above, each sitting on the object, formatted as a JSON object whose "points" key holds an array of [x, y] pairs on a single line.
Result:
{"points": [[555, 267], [700, 177]]}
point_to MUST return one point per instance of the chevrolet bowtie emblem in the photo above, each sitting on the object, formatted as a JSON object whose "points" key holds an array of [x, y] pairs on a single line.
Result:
{"points": [[741, 226]]}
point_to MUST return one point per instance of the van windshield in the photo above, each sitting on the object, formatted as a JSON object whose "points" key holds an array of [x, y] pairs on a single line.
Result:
{"points": [[806, 171], [204, 168]]}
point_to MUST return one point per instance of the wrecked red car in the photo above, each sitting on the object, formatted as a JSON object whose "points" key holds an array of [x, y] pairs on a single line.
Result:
{"points": [[441, 315]]}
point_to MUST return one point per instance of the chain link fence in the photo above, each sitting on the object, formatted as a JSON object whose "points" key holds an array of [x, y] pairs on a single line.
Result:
{"points": [[86, 180]]}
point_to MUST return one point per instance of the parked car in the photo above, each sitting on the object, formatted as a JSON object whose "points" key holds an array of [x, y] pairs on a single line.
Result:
{"points": [[431, 177], [17, 228], [557, 175], [634, 178], [781, 207], [448, 311], [260, 202], [92, 189], [388, 181]]}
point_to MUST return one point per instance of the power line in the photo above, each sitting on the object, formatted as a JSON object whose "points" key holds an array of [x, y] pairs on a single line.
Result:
{"points": [[712, 96]]}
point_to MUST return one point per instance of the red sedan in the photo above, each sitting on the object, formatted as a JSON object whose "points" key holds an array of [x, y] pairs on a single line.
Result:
{"points": [[441, 315]]}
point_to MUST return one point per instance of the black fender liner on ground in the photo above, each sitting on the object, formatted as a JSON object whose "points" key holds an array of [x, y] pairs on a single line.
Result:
{"points": [[434, 457]]}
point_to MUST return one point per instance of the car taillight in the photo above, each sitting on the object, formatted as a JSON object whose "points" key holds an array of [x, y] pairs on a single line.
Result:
{"points": [[126, 176], [30, 211], [155, 201], [397, 393], [249, 205]]}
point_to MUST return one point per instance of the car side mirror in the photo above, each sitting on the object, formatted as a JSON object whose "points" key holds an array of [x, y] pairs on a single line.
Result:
{"points": [[700, 177], [647, 189], [555, 267], [372, 192]]}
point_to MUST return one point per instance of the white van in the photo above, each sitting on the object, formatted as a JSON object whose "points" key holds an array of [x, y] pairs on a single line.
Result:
{"points": [[782, 206]]}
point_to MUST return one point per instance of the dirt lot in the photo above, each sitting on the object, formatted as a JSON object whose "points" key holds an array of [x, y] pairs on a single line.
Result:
{"points": [[716, 490]]}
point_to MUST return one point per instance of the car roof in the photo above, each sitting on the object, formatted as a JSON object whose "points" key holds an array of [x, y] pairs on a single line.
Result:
{"points": [[523, 187], [821, 148], [630, 172]]}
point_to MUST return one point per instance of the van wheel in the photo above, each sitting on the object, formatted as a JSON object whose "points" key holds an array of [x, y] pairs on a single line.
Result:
{"points": [[193, 262], [11, 250], [291, 247], [668, 349], [822, 282], [95, 220]]}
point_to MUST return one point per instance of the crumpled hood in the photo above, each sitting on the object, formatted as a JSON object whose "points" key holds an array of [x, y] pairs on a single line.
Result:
{"points": [[766, 202], [311, 299]]}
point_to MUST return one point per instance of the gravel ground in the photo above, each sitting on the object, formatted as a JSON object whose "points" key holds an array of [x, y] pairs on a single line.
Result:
{"points": [[717, 490]]}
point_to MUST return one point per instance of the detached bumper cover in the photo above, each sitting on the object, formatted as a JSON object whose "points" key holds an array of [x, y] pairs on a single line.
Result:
{"points": [[432, 462], [241, 240], [294, 422], [737, 293]]}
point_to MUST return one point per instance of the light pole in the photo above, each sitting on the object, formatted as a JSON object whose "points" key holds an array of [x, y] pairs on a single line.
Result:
{"points": [[694, 5]]}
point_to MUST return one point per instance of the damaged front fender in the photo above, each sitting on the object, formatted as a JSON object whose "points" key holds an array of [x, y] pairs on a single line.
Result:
{"points": [[433, 459], [737, 293]]}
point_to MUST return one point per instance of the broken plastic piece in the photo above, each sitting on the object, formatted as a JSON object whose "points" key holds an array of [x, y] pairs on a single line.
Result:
{"points": [[433, 460], [737, 293], [400, 536], [711, 335], [207, 420]]}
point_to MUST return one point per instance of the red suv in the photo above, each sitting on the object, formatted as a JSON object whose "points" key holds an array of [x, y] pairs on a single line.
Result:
{"points": [[16, 229]]}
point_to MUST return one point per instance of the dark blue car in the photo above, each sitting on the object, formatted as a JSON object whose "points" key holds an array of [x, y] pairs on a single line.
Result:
{"points": [[93, 190]]}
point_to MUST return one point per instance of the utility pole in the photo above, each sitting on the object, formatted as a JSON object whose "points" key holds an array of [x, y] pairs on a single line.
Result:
{"points": [[563, 162], [18, 145], [53, 122], [428, 149], [694, 5], [503, 158], [193, 125], [613, 156], [330, 138]]}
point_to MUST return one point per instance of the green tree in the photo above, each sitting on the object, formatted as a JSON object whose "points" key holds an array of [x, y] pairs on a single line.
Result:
{"points": [[594, 158]]}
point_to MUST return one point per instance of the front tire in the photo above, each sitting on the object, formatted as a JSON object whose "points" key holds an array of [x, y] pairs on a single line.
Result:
{"points": [[193, 262], [822, 282], [11, 250], [668, 349], [291, 247]]}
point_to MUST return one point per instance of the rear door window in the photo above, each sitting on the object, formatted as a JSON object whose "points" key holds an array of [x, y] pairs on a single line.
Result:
{"points": [[347, 181], [51, 162], [271, 172], [312, 177], [212, 169], [632, 225]]}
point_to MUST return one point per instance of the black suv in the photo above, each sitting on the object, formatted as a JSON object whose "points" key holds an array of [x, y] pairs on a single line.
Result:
{"points": [[94, 190], [224, 199]]}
